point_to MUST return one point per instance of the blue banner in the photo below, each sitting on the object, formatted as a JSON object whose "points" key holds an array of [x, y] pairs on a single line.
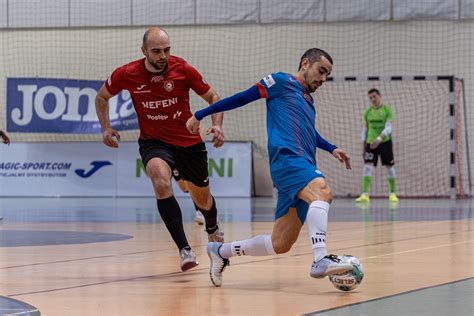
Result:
{"points": [[38, 105]]}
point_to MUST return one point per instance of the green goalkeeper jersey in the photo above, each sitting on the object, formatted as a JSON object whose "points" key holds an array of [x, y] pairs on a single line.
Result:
{"points": [[375, 120]]}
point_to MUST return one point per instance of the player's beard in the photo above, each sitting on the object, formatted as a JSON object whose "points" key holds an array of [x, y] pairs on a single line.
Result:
{"points": [[160, 67]]}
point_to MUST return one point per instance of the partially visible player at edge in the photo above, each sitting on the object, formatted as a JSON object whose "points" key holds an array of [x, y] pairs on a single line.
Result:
{"points": [[159, 85], [303, 193], [6, 141], [5, 138], [377, 141]]}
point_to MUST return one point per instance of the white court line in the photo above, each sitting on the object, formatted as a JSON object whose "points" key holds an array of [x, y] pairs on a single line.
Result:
{"points": [[417, 249]]}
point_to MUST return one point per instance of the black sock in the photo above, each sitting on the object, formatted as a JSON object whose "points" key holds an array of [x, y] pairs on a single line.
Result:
{"points": [[170, 213], [211, 218]]}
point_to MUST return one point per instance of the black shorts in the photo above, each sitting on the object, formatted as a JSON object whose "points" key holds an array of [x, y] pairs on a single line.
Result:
{"points": [[176, 175], [190, 162], [384, 150]]}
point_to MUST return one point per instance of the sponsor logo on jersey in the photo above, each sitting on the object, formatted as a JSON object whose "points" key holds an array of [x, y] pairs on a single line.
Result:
{"points": [[159, 103], [177, 114], [269, 81], [156, 78], [308, 97], [169, 85], [140, 89], [157, 117]]}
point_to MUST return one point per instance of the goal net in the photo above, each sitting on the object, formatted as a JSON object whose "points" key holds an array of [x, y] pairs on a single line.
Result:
{"points": [[428, 134], [50, 69]]}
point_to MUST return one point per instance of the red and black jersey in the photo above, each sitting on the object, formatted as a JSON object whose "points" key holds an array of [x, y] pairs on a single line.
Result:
{"points": [[161, 100]]}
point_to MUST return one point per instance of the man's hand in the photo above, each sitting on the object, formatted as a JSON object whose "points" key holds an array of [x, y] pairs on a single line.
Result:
{"points": [[5, 138], [376, 142], [110, 137], [193, 125], [343, 157], [218, 137]]}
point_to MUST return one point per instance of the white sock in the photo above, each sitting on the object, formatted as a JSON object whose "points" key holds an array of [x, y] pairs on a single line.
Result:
{"points": [[317, 220], [260, 245]]}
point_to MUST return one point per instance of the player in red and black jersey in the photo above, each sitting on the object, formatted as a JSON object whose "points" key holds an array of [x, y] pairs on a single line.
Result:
{"points": [[159, 85]]}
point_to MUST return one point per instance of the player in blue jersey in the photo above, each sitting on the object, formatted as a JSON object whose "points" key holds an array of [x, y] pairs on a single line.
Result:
{"points": [[303, 193]]}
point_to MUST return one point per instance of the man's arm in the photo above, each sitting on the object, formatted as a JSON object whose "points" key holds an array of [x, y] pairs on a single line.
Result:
{"points": [[386, 131], [102, 109], [338, 153], [324, 144], [212, 97], [5, 138], [363, 136], [387, 128], [226, 104]]}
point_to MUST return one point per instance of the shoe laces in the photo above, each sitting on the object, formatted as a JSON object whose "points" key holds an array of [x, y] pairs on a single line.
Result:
{"points": [[225, 263], [333, 258], [216, 233], [186, 253]]}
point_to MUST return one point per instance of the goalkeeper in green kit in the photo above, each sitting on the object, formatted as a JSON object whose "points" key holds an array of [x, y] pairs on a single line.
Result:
{"points": [[377, 141]]}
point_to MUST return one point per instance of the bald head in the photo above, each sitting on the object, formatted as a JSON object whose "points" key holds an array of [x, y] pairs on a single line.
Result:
{"points": [[155, 35], [156, 48]]}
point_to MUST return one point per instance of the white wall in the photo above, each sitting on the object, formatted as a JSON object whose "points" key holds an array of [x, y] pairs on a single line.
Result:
{"points": [[234, 57], [93, 13]]}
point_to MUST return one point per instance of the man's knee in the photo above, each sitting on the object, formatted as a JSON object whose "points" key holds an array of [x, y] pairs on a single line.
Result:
{"points": [[201, 196], [204, 202], [161, 183], [326, 194]]}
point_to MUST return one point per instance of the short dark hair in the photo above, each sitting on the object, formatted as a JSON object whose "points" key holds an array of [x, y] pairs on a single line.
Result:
{"points": [[373, 90], [314, 54]]}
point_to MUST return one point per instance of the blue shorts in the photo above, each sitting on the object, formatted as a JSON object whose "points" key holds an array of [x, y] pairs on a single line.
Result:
{"points": [[290, 174]]}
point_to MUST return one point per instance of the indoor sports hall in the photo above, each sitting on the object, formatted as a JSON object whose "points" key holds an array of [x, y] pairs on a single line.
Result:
{"points": [[80, 232]]}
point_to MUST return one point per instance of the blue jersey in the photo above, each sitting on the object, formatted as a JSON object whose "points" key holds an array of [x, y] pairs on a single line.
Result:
{"points": [[292, 136], [290, 118]]}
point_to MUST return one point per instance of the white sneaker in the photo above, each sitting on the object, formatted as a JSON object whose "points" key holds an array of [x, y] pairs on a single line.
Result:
{"points": [[218, 263], [188, 259], [328, 265], [216, 236], [199, 219]]}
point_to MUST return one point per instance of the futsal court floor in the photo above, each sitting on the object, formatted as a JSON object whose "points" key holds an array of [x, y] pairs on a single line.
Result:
{"points": [[107, 256]]}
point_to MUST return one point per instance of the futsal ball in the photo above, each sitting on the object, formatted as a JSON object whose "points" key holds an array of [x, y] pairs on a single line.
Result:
{"points": [[350, 280]]}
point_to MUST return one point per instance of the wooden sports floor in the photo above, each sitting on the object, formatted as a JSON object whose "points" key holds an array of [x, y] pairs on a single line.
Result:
{"points": [[106, 256]]}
